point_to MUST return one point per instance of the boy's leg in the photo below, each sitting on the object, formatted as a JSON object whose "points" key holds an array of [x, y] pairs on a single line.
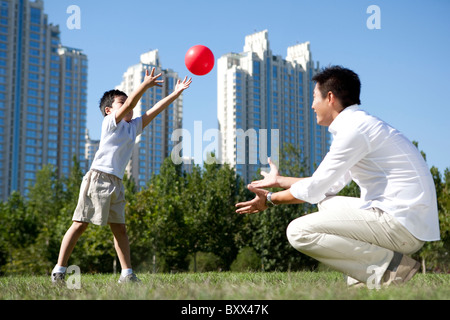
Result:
{"points": [[69, 241], [121, 244]]}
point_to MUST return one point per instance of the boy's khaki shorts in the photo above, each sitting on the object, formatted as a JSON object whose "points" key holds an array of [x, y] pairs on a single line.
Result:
{"points": [[101, 200]]}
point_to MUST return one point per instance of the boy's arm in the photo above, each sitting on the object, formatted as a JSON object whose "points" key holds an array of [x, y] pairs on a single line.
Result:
{"points": [[150, 80], [164, 103]]}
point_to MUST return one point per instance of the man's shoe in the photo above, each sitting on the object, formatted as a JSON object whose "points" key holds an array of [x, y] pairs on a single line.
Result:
{"points": [[129, 278], [59, 278], [402, 273]]}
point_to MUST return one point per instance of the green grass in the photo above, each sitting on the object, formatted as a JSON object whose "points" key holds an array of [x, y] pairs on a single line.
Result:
{"points": [[222, 286]]}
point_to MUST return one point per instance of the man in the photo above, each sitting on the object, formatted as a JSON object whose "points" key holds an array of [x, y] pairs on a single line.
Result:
{"points": [[369, 238]]}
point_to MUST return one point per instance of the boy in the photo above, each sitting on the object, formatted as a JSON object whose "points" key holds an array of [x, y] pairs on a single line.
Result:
{"points": [[102, 199]]}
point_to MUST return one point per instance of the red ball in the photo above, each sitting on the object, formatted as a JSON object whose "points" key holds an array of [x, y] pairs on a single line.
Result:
{"points": [[199, 60]]}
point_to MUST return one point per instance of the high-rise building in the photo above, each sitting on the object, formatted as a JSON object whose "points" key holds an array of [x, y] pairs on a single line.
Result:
{"points": [[155, 143], [264, 102], [43, 96], [72, 108], [90, 149]]}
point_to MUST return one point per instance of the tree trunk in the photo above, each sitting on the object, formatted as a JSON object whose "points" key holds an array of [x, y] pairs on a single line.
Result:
{"points": [[423, 266]]}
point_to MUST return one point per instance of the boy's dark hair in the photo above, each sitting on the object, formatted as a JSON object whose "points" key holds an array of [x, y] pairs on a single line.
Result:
{"points": [[108, 99], [342, 82]]}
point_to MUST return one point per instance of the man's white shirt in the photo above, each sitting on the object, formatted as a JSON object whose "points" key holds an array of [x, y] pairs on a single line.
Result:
{"points": [[388, 168]]}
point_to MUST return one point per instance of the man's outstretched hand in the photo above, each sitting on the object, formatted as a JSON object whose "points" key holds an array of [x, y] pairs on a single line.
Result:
{"points": [[270, 179], [256, 205]]}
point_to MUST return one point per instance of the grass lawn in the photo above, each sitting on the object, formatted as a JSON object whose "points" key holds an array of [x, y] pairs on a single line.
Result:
{"points": [[223, 286]]}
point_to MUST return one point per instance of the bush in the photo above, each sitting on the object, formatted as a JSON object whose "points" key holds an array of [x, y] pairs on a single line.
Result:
{"points": [[204, 262], [246, 260]]}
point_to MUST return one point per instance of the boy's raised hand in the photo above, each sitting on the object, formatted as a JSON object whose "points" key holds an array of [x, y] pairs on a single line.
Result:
{"points": [[183, 85], [151, 80], [164, 103]]}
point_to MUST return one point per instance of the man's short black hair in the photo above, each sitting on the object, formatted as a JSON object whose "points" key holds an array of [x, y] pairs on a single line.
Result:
{"points": [[108, 99], [342, 82]]}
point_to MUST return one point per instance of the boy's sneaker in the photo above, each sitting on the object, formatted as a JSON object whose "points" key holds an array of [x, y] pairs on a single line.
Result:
{"points": [[58, 278], [405, 270], [129, 279]]}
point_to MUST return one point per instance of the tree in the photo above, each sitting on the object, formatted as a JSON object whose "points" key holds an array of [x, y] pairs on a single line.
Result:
{"points": [[269, 236], [45, 201], [178, 214], [222, 224], [169, 225], [18, 230], [143, 228], [435, 255], [194, 214], [156, 222]]}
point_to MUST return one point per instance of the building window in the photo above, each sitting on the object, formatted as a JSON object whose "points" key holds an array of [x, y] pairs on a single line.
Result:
{"points": [[35, 16]]}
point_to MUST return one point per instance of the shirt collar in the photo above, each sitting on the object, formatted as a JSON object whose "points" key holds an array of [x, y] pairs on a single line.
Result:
{"points": [[339, 121]]}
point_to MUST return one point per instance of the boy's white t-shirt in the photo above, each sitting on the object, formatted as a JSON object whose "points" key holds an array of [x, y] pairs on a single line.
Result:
{"points": [[116, 145]]}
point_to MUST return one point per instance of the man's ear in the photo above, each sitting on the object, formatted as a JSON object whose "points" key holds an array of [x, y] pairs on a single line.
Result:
{"points": [[108, 110], [333, 101], [330, 97]]}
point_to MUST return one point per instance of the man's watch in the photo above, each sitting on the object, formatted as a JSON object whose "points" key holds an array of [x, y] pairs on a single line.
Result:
{"points": [[269, 202]]}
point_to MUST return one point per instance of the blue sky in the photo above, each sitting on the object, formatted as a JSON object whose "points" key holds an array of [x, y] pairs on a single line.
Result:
{"points": [[403, 66]]}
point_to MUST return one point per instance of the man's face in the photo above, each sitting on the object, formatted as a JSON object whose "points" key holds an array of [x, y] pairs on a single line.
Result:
{"points": [[322, 108]]}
